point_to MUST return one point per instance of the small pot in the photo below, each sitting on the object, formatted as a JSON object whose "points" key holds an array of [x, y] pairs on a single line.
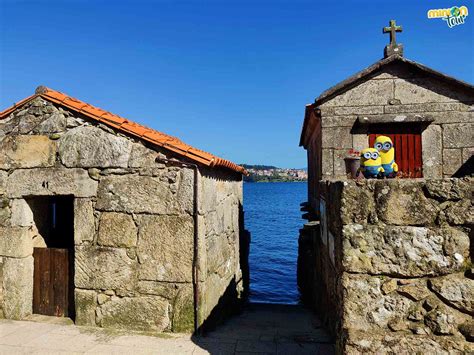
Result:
{"points": [[352, 165]]}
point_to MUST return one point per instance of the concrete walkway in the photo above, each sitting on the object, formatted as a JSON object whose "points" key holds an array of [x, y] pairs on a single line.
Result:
{"points": [[261, 329]]}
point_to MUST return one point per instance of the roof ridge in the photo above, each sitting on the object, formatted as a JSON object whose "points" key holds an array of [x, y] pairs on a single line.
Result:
{"points": [[135, 129], [352, 80]]}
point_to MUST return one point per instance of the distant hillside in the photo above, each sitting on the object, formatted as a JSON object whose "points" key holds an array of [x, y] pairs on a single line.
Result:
{"points": [[258, 167], [270, 173]]}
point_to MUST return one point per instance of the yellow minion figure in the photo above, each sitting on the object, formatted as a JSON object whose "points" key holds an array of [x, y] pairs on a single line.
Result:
{"points": [[370, 163], [387, 153]]}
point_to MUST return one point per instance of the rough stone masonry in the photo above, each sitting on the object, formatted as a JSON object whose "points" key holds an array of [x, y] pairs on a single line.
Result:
{"points": [[390, 266], [393, 95], [133, 222]]}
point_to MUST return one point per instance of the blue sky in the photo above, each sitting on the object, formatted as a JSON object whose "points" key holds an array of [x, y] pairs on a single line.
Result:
{"points": [[229, 77]]}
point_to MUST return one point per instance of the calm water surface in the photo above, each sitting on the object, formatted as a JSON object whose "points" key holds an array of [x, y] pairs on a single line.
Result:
{"points": [[273, 217]]}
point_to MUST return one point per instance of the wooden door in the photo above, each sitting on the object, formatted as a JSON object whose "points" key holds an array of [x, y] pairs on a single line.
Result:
{"points": [[51, 282], [407, 143]]}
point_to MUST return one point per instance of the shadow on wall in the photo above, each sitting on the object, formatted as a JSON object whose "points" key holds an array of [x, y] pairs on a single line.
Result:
{"points": [[467, 169], [244, 247], [234, 297], [316, 277]]}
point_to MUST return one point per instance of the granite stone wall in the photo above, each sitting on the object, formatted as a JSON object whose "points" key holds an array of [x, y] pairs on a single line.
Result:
{"points": [[221, 221], [133, 222], [389, 266]]}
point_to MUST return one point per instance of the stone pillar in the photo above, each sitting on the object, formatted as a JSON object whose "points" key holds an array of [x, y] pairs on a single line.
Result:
{"points": [[432, 145]]}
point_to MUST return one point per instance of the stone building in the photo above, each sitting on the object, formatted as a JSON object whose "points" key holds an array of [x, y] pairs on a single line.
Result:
{"points": [[388, 263], [111, 223], [429, 114]]}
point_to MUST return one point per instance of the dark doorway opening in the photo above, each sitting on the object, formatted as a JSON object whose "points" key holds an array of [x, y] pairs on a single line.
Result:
{"points": [[53, 285]]}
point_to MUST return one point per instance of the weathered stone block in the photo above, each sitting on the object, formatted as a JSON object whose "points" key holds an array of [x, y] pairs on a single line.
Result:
{"points": [[5, 212], [166, 290], [165, 248], [27, 152], [339, 164], [117, 230], [15, 242], [440, 323], [338, 121], [450, 109], [145, 313], [22, 215], [53, 181], [86, 303], [236, 216], [213, 225], [142, 194], [17, 287], [366, 307], [212, 291], [416, 291], [183, 310], [55, 123], [427, 90], [452, 160], [203, 256], [185, 190], [84, 221], [142, 157], [451, 117], [449, 189], [359, 212], [102, 298], [455, 290], [403, 251], [20, 122], [467, 329], [467, 153], [337, 137], [221, 258], [388, 286], [432, 157], [358, 110], [371, 92], [459, 135], [327, 163], [459, 213], [3, 182], [361, 342], [360, 141], [208, 196], [101, 268], [402, 202], [89, 147], [225, 209]]}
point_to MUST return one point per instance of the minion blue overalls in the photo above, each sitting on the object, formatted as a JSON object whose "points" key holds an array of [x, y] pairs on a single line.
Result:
{"points": [[370, 171]]}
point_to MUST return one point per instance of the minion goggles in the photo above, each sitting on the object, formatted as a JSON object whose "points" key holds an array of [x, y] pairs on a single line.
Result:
{"points": [[369, 155], [383, 146]]}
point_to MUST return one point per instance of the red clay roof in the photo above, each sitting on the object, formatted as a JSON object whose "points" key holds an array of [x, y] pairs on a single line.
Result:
{"points": [[134, 129]]}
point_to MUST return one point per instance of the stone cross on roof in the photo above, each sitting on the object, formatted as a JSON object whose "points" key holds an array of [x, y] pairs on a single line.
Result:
{"points": [[393, 47]]}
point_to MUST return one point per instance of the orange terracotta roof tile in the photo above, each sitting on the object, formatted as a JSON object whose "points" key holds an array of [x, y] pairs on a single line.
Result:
{"points": [[56, 95], [90, 110], [195, 152], [134, 129], [108, 117], [12, 108]]}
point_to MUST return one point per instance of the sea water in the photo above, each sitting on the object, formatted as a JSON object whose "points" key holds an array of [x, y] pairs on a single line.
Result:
{"points": [[273, 217]]}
